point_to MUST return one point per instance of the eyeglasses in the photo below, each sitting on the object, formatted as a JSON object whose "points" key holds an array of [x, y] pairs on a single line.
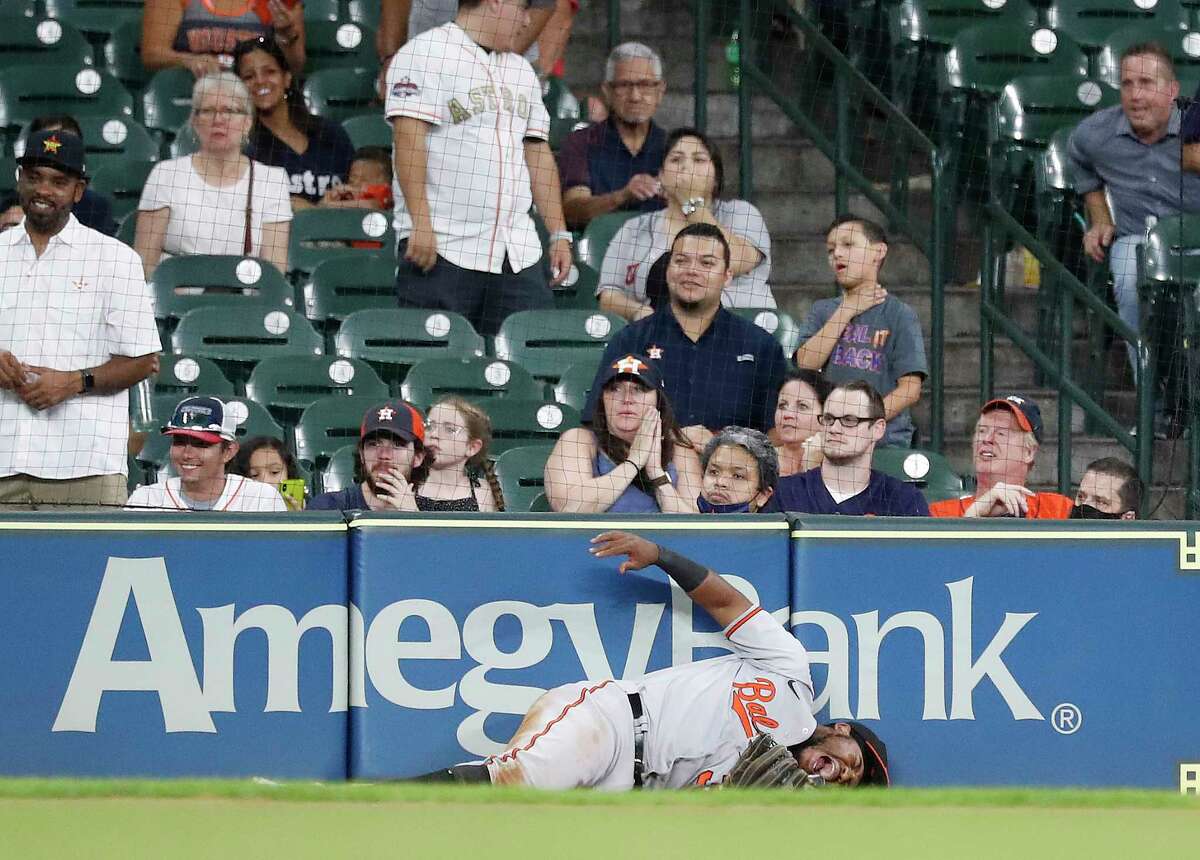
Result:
{"points": [[626, 87], [226, 113], [444, 428], [828, 419]]}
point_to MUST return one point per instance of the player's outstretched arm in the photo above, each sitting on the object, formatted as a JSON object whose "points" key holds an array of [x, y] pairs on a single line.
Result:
{"points": [[720, 599]]}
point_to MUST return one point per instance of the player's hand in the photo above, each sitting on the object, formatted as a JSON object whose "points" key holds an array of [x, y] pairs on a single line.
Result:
{"points": [[421, 249], [398, 492], [1097, 239], [201, 64], [641, 552], [1002, 500], [560, 261], [642, 186], [857, 301], [50, 388], [643, 447], [12, 375]]}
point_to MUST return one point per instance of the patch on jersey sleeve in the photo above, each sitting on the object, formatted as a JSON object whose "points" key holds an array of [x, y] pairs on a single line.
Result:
{"points": [[405, 87]]}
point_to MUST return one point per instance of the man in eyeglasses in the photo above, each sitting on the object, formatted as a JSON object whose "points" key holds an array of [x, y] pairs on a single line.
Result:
{"points": [[852, 424]]}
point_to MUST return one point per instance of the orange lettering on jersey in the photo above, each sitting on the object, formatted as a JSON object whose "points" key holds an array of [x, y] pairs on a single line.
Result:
{"points": [[704, 778], [748, 699]]}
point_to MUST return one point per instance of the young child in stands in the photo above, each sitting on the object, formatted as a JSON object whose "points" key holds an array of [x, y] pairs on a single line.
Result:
{"points": [[267, 459], [368, 184], [460, 477]]}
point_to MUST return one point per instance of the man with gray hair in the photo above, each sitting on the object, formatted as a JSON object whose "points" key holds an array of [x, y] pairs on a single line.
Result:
{"points": [[741, 469], [614, 165]]}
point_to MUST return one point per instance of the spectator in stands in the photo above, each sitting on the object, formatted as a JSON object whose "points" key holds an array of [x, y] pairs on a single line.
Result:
{"points": [[1004, 448], [389, 462], [76, 331], [369, 183], [740, 470], [11, 213], [457, 435], [866, 334], [267, 459], [315, 152], [552, 43], [203, 441], [614, 164], [719, 369], [633, 457], [403, 20], [845, 483], [215, 201], [633, 276], [1109, 490], [93, 209], [200, 35], [797, 428], [1130, 154]]}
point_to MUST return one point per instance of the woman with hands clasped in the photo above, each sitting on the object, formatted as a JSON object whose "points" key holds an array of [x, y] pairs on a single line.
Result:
{"points": [[633, 459], [633, 275]]}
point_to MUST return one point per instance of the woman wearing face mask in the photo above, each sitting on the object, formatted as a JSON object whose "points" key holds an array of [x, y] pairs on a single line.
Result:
{"points": [[740, 470], [266, 459], [460, 476]]}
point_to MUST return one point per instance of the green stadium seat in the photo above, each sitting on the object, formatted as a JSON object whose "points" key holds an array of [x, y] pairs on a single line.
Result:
{"points": [[288, 385], [8, 175], [929, 471], [578, 290], [123, 184], [547, 342], [394, 340], [254, 420], [118, 142], [596, 236], [365, 12], [78, 90], [183, 141], [236, 339], [575, 382], [96, 19], [1092, 22], [337, 94], [343, 285], [127, 230], [476, 379], [560, 102], [1171, 254], [776, 323], [322, 10], [34, 42], [521, 472], [314, 231], [368, 130], [540, 505], [179, 376], [333, 45], [517, 423], [167, 102], [338, 473], [123, 55], [1180, 44], [328, 425], [239, 284], [561, 127]]}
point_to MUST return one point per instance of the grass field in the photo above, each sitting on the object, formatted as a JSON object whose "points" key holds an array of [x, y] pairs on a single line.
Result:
{"points": [[228, 819]]}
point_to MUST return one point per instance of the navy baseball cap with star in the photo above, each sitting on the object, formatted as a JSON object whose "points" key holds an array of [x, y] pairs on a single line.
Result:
{"points": [[54, 148], [633, 366], [396, 417]]}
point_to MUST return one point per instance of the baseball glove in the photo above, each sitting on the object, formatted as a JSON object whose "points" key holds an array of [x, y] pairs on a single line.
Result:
{"points": [[767, 764]]}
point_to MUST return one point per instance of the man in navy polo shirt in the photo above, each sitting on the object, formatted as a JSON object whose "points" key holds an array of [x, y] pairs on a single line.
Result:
{"points": [[718, 368], [845, 483], [614, 164]]}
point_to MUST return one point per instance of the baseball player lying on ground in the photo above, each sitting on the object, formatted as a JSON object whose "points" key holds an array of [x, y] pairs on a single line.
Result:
{"points": [[700, 724]]}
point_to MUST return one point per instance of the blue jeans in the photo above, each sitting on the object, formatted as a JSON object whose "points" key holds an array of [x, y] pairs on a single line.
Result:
{"points": [[1122, 260]]}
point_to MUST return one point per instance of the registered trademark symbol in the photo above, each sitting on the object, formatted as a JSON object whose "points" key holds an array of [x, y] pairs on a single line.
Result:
{"points": [[1066, 719]]}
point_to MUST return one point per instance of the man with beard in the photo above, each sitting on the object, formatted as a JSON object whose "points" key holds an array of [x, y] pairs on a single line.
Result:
{"points": [[718, 369], [853, 424], [1110, 489], [76, 332], [687, 725], [390, 461]]}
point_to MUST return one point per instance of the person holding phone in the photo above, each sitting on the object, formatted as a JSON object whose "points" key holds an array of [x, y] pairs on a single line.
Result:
{"points": [[267, 459]]}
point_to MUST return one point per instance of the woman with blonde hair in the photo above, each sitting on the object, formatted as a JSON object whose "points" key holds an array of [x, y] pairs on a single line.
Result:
{"points": [[457, 436]]}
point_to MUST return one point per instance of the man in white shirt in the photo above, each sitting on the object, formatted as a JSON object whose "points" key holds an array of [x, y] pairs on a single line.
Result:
{"points": [[469, 135], [203, 441], [76, 332]]}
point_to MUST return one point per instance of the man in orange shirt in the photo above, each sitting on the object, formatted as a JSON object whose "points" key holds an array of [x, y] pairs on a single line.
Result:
{"points": [[1005, 445]]}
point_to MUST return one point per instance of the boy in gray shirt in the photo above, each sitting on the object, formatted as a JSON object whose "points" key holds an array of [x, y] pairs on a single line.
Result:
{"points": [[866, 334]]}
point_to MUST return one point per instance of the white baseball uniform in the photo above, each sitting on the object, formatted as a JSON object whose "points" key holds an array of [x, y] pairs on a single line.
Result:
{"points": [[698, 718], [482, 106], [240, 494]]}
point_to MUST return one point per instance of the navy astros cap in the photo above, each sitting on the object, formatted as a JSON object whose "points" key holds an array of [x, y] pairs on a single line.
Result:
{"points": [[54, 148], [396, 417], [203, 418], [1026, 411], [636, 367]]}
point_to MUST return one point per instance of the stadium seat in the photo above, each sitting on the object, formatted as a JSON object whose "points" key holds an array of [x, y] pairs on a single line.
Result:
{"points": [[365, 12], [80, 91], [1092, 22], [516, 423], [183, 141], [596, 236], [290, 384], [123, 55], [578, 289], [548, 342], [1180, 44], [477, 379], [344, 285], [575, 382], [328, 425], [167, 102], [127, 230], [929, 471], [776, 323], [322, 10], [239, 284], [338, 94], [313, 231], [521, 472], [118, 142], [180, 376], [394, 340], [368, 130], [236, 339], [96, 19], [123, 184], [338, 473], [8, 175], [333, 45], [1171, 254], [33, 42], [253, 420]]}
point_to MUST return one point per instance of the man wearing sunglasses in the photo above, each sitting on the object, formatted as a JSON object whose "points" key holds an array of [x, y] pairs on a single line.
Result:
{"points": [[853, 423]]}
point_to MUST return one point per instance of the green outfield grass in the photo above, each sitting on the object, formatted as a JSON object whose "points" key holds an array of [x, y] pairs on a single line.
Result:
{"points": [[232, 819]]}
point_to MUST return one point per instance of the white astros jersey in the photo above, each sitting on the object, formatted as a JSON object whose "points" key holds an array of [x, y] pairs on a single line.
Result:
{"points": [[482, 105], [703, 714], [240, 494]]}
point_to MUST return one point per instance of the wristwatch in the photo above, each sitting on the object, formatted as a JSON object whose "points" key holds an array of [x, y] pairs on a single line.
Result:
{"points": [[690, 205], [565, 235], [661, 481], [89, 381]]}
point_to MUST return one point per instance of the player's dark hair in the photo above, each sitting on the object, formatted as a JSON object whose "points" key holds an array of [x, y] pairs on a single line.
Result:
{"points": [[814, 379], [704, 231], [380, 155], [874, 400], [714, 154], [240, 464], [305, 122], [1131, 486], [479, 426], [56, 120], [1149, 49], [617, 449]]}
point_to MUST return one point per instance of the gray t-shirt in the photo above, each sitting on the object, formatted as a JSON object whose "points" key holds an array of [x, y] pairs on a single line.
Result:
{"points": [[880, 346], [642, 240], [427, 14]]}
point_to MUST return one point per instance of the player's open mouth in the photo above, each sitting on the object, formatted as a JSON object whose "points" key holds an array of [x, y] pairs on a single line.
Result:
{"points": [[826, 767]]}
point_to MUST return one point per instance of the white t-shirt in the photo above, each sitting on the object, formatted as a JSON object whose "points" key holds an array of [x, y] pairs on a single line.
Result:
{"points": [[702, 715], [240, 494], [82, 302], [481, 106], [209, 220]]}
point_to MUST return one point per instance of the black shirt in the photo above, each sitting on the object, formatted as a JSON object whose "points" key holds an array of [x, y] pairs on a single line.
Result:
{"points": [[596, 157], [349, 499], [324, 164]]}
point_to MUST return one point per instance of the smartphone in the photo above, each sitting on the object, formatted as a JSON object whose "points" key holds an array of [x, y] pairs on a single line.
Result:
{"points": [[293, 488]]}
